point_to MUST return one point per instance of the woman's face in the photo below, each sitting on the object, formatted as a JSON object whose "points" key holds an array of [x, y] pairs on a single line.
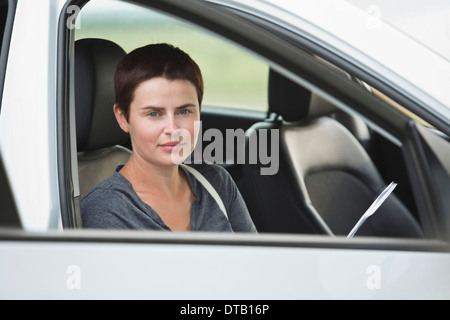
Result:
{"points": [[161, 121]]}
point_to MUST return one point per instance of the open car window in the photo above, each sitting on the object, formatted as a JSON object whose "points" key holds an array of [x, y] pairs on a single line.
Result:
{"points": [[238, 79]]}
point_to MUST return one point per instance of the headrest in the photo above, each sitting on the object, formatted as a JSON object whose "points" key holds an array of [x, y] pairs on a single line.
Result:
{"points": [[95, 65], [320, 107], [287, 98], [293, 102]]}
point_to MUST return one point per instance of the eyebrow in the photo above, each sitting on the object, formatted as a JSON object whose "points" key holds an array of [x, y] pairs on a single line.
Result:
{"points": [[184, 106]]}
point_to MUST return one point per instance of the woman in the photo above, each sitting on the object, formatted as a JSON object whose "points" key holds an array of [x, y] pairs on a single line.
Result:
{"points": [[159, 91]]}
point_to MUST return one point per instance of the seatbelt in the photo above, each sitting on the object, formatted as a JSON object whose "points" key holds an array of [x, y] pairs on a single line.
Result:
{"points": [[208, 187]]}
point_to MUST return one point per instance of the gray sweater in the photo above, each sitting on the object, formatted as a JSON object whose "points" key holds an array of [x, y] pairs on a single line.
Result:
{"points": [[113, 204]]}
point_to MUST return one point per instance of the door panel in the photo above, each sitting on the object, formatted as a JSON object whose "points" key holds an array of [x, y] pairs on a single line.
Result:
{"points": [[97, 269]]}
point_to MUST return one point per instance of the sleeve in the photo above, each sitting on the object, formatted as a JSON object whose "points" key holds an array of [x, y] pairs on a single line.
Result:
{"points": [[103, 209], [237, 211]]}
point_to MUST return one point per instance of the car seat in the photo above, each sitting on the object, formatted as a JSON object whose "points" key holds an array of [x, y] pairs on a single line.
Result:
{"points": [[326, 180], [100, 141]]}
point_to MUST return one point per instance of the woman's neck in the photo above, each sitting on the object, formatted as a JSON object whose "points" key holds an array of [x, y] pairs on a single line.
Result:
{"points": [[144, 176]]}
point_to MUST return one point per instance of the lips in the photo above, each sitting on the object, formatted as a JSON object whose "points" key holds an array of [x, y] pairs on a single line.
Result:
{"points": [[172, 145]]}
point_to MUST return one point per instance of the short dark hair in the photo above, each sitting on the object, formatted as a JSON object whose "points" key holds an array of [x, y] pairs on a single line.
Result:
{"points": [[153, 61]]}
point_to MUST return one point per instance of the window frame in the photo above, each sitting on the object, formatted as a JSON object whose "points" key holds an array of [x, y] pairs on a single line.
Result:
{"points": [[284, 54], [6, 39]]}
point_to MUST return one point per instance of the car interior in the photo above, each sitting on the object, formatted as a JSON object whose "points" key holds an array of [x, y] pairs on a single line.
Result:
{"points": [[333, 179], [327, 175], [332, 163]]}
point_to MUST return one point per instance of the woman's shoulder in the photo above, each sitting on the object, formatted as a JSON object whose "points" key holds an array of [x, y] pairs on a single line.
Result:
{"points": [[101, 204], [115, 184]]}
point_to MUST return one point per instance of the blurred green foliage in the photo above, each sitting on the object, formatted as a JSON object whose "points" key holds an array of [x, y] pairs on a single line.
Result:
{"points": [[233, 77]]}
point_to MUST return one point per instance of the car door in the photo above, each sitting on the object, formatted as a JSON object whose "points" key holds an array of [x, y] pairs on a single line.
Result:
{"points": [[49, 256]]}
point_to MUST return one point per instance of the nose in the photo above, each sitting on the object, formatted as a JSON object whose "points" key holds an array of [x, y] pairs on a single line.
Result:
{"points": [[171, 125]]}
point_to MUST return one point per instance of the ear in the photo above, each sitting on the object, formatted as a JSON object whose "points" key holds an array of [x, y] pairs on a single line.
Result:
{"points": [[121, 119]]}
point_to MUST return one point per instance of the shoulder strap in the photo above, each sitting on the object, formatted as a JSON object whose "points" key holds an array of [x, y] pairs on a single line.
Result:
{"points": [[208, 187]]}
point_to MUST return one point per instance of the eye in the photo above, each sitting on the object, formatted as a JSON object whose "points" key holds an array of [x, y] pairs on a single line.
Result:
{"points": [[153, 114], [185, 111]]}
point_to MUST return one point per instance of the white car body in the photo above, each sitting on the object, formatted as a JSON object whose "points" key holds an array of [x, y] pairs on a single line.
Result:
{"points": [[44, 261]]}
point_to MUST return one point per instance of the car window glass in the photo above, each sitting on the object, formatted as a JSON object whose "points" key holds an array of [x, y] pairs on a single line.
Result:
{"points": [[233, 78]]}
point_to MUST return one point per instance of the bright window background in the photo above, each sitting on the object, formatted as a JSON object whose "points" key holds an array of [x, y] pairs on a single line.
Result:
{"points": [[233, 78]]}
